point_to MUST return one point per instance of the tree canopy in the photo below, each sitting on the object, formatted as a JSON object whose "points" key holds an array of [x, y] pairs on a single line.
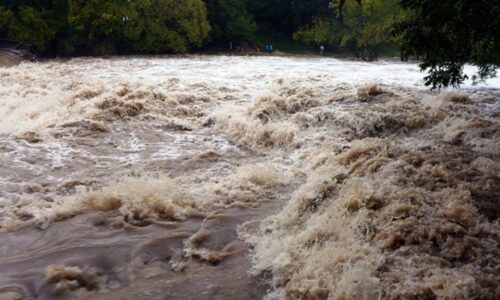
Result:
{"points": [[362, 27], [444, 34], [67, 27], [230, 20]]}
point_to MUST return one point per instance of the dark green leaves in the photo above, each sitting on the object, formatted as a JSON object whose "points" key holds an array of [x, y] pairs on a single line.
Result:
{"points": [[446, 34], [101, 27]]}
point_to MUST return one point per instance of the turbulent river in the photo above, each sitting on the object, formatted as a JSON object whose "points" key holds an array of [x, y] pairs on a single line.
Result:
{"points": [[215, 177]]}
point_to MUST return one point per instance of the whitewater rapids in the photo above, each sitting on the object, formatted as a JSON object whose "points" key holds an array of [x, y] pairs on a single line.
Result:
{"points": [[215, 177]]}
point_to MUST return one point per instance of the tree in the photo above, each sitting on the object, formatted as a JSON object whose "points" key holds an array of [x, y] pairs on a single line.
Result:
{"points": [[363, 27], [321, 31], [147, 26], [97, 25], [286, 16], [447, 34], [273, 15], [6, 17], [160, 26], [306, 11], [29, 25], [230, 20]]}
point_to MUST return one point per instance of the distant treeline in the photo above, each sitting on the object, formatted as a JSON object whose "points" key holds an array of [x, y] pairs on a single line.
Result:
{"points": [[76, 27], [445, 34]]}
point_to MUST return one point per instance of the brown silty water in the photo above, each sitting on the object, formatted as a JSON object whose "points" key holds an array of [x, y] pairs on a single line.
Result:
{"points": [[224, 177]]}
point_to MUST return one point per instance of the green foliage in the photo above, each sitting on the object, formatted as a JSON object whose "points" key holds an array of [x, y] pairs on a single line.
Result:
{"points": [[275, 14], [368, 26], [306, 11], [29, 25], [230, 20], [167, 26], [96, 25], [155, 26], [5, 18], [102, 27], [284, 17], [361, 27], [79, 27], [446, 34], [319, 32]]}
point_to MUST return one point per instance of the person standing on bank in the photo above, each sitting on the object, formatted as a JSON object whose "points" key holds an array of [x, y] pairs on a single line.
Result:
{"points": [[321, 50]]}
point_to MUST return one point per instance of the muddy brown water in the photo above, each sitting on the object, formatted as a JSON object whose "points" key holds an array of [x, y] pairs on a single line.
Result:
{"points": [[131, 262], [118, 259], [212, 177]]}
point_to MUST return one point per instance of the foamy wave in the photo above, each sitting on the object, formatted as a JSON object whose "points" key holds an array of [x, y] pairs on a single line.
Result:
{"points": [[145, 199], [410, 215], [371, 189]]}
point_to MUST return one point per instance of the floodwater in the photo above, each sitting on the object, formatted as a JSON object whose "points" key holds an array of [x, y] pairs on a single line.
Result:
{"points": [[215, 177]]}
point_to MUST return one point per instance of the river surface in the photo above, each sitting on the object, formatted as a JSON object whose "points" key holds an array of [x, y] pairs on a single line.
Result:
{"points": [[217, 177]]}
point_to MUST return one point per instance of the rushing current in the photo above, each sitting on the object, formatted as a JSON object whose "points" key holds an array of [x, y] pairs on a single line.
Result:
{"points": [[218, 177]]}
